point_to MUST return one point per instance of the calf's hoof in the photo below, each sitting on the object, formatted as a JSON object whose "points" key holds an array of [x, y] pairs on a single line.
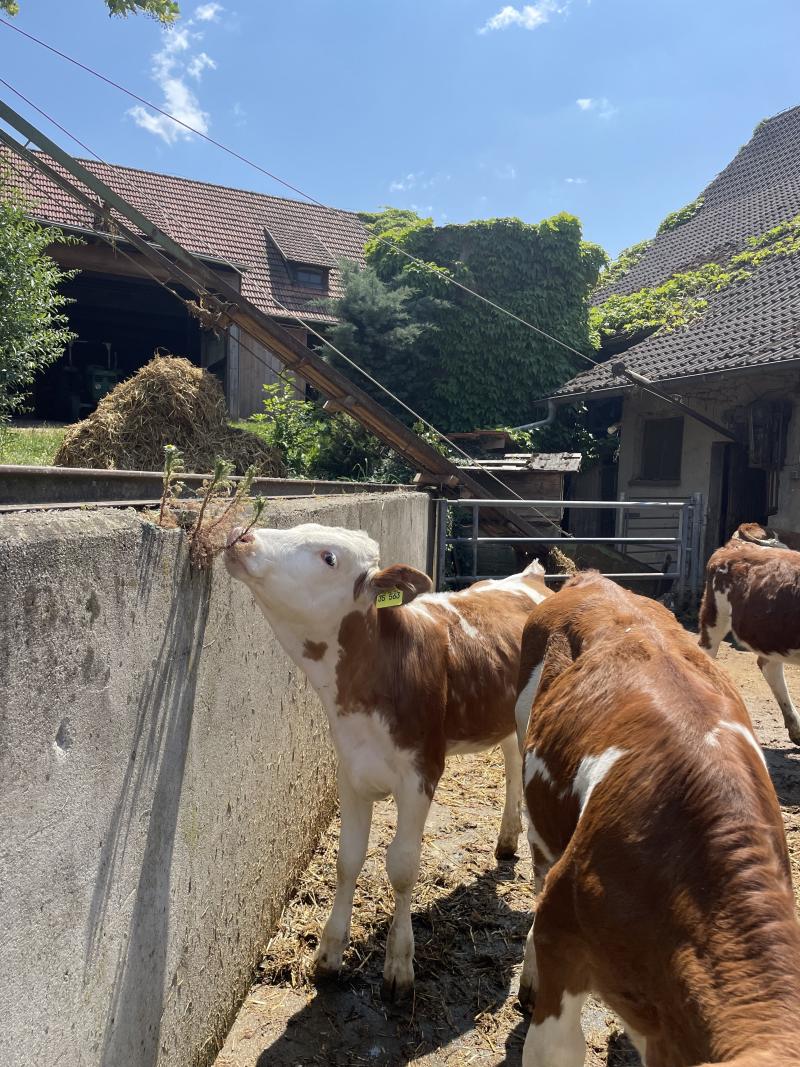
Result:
{"points": [[396, 992], [398, 980], [328, 961], [506, 850], [794, 735]]}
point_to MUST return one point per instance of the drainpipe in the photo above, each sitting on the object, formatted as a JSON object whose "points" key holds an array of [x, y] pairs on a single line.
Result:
{"points": [[551, 414]]}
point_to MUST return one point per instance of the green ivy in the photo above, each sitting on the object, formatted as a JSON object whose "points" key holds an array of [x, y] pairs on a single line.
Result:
{"points": [[683, 214], [474, 367], [682, 297], [625, 261]]}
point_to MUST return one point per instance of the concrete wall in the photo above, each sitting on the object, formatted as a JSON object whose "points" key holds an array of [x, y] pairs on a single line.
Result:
{"points": [[164, 774]]}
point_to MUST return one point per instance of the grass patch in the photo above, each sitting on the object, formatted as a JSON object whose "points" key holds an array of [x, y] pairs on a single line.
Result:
{"points": [[31, 446]]}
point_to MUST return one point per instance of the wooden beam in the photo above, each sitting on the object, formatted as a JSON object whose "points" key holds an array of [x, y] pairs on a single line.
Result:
{"points": [[222, 299]]}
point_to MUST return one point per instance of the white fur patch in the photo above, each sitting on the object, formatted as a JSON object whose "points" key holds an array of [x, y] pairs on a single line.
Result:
{"points": [[558, 1040], [373, 763], [442, 600], [740, 728], [522, 708], [536, 839], [591, 772], [534, 764]]}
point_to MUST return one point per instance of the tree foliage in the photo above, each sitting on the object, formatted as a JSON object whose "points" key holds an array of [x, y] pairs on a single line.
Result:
{"points": [[165, 11], [314, 444], [466, 365], [382, 328], [33, 328]]}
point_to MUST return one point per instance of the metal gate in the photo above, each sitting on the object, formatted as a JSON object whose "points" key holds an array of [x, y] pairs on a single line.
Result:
{"points": [[666, 533]]}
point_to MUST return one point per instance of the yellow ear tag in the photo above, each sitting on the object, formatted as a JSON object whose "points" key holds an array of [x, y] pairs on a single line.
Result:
{"points": [[392, 598]]}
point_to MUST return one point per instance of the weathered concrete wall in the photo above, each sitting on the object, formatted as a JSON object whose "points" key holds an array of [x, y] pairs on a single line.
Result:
{"points": [[164, 774]]}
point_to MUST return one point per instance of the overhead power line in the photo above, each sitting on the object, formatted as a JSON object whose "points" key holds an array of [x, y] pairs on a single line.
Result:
{"points": [[300, 192], [448, 443]]}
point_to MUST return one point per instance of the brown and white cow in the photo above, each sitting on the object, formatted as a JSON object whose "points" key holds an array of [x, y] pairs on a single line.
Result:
{"points": [[403, 687], [753, 591], [667, 889]]}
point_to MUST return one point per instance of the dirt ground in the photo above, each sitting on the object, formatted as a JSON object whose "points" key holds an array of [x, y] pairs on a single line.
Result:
{"points": [[470, 915]]}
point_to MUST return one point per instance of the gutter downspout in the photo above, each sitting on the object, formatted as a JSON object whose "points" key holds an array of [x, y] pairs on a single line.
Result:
{"points": [[551, 414]]}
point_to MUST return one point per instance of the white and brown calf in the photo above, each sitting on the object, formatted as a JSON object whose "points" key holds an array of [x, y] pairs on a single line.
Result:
{"points": [[403, 687], [753, 591], [654, 823]]}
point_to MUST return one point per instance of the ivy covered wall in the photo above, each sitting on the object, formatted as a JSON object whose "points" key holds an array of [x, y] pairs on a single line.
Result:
{"points": [[472, 366]]}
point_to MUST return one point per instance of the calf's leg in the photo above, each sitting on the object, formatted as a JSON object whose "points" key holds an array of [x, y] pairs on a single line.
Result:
{"points": [[402, 865], [715, 620], [511, 823], [356, 817], [772, 669], [555, 1038]]}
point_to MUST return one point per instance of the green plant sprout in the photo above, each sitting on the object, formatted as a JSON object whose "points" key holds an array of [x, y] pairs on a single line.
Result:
{"points": [[173, 466]]}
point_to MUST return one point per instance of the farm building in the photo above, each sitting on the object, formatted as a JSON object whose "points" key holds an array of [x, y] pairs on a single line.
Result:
{"points": [[736, 361], [282, 254]]}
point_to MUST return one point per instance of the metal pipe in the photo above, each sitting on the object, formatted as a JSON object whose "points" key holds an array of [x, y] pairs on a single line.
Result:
{"points": [[619, 368], [551, 414], [565, 540], [467, 502]]}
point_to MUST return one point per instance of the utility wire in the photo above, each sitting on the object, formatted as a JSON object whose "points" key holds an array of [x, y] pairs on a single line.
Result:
{"points": [[300, 192], [294, 315]]}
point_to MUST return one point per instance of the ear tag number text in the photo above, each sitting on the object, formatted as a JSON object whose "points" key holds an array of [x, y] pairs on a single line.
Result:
{"points": [[391, 598]]}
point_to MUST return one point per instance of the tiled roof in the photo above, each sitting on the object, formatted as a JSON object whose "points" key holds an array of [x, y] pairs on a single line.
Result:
{"points": [[749, 324], [298, 246], [228, 224]]}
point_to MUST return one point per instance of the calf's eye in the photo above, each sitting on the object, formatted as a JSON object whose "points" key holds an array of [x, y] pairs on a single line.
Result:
{"points": [[329, 558]]}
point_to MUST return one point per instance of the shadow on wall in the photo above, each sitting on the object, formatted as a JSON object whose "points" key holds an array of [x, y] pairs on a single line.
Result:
{"points": [[153, 779]]}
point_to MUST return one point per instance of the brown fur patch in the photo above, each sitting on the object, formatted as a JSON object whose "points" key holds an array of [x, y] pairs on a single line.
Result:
{"points": [[433, 681], [314, 649], [672, 895]]}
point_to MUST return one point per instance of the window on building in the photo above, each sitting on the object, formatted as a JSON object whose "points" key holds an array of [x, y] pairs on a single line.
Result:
{"points": [[311, 277], [662, 444]]}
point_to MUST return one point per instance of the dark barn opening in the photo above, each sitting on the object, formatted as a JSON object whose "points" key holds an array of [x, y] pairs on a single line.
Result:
{"points": [[120, 324]]}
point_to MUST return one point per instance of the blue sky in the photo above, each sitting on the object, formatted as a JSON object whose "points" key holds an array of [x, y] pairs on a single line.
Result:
{"points": [[618, 111]]}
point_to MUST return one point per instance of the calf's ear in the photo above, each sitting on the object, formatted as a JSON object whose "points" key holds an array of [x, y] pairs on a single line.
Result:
{"points": [[408, 580]]}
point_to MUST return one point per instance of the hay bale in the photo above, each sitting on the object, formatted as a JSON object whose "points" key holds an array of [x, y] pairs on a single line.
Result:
{"points": [[168, 401]]}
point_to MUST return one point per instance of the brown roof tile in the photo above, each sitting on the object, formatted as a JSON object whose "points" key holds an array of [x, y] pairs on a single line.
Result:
{"points": [[228, 224]]}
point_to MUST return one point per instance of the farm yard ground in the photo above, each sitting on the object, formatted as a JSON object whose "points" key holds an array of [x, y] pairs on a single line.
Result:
{"points": [[470, 915]]}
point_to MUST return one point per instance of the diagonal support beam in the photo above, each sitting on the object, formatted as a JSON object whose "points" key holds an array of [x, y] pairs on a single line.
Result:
{"points": [[189, 271]]}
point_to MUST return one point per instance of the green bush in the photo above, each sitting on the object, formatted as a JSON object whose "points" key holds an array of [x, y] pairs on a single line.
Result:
{"points": [[314, 444]]}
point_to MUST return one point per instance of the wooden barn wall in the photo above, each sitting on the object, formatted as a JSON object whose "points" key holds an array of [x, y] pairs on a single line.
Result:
{"points": [[257, 366]]}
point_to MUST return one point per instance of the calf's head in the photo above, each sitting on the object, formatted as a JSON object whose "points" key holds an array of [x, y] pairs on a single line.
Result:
{"points": [[314, 575]]}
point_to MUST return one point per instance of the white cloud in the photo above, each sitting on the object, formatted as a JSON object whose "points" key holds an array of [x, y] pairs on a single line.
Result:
{"points": [[528, 17], [602, 106], [402, 185], [208, 12], [199, 63], [575, 181], [178, 58], [239, 114], [417, 180]]}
